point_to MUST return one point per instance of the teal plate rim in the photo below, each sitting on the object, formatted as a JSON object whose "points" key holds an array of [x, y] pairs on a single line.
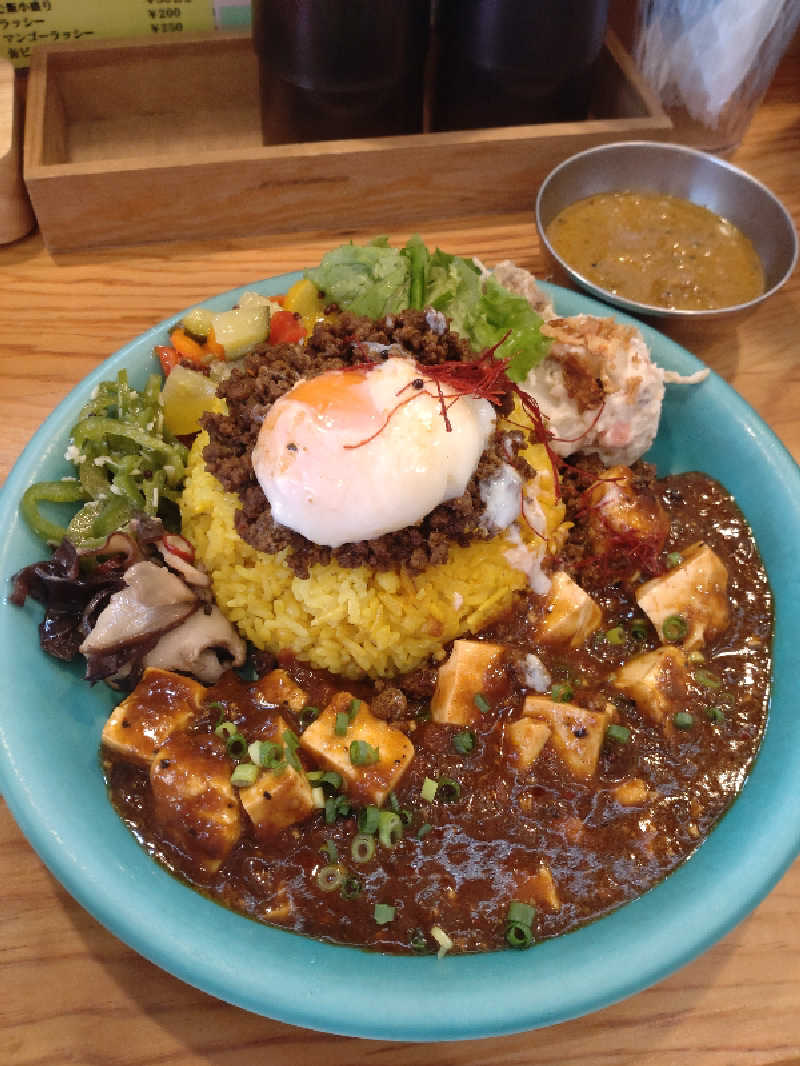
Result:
{"points": [[50, 722]]}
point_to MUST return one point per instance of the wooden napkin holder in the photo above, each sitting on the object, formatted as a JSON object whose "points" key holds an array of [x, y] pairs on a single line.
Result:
{"points": [[128, 142]]}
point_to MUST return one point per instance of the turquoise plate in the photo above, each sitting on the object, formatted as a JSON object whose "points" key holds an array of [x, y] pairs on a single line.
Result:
{"points": [[50, 722]]}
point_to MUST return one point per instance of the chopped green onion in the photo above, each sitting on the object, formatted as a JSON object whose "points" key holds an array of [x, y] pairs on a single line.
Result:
{"points": [[342, 724], [353, 886], [716, 714], [307, 716], [481, 702], [442, 939], [418, 943], [244, 774], [673, 559], [464, 742], [292, 742], [519, 936], [561, 692], [707, 679], [236, 745], [394, 803], [406, 816], [615, 635], [353, 708], [448, 790], [329, 878], [423, 830], [428, 790], [318, 798], [384, 913], [362, 847], [335, 807], [325, 777], [683, 720], [620, 734], [265, 753], [520, 913], [254, 751], [639, 628], [330, 851], [363, 754], [225, 729], [368, 819], [390, 829], [674, 627]]}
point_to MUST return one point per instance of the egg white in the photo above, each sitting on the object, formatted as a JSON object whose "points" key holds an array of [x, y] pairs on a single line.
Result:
{"points": [[342, 458]]}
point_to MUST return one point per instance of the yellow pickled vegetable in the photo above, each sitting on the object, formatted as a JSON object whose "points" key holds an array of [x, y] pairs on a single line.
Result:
{"points": [[185, 397], [304, 299]]}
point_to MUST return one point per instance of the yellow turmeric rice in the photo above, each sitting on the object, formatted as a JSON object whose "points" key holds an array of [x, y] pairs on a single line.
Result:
{"points": [[355, 622]]}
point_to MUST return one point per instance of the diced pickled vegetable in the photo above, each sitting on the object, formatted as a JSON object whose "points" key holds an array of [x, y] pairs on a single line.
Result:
{"points": [[286, 328], [198, 322], [304, 299], [252, 299], [186, 396], [188, 348], [239, 329]]}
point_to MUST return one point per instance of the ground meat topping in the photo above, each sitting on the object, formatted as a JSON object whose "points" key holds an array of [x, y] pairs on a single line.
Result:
{"points": [[343, 340]]}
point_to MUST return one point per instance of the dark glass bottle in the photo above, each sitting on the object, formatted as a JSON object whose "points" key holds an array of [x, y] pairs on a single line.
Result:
{"points": [[340, 68], [514, 62]]}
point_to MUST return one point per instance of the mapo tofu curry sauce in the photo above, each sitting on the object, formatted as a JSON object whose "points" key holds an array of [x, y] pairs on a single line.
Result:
{"points": [[570, 844]]}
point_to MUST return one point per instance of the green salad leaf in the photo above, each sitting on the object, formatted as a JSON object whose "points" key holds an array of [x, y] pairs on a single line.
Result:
{"points": [[371, 279], [376, 279]]}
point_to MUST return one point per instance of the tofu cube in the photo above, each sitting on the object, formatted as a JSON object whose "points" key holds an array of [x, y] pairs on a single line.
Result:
{"points": [[465, 674], [655, 681], [540, 890], [277, 688], [696, 590], [577, 734], [194, 802], [277, 798], [366, 783], [632, 792], [162, 703], [571, 615], [527, 737]]}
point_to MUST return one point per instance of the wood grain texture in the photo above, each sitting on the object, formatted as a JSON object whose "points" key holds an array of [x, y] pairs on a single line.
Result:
{"points": [[109, 158], [70, 993]]}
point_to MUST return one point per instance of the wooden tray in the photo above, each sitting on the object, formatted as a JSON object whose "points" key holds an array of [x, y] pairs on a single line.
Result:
{"points": [[128, 141]]}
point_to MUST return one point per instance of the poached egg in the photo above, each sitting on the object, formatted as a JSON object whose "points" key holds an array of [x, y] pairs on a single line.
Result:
{"points": [[354, 454]]}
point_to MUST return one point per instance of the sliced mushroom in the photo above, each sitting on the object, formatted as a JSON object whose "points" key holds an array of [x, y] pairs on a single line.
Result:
{"points": [[205, 645], [153, 602]]}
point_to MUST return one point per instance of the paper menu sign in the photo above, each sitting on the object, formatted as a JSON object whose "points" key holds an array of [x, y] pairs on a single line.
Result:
{"points": [[27, 23]]}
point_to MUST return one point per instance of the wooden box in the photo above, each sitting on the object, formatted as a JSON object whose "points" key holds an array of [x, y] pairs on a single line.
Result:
{"points": [[128, 141]]}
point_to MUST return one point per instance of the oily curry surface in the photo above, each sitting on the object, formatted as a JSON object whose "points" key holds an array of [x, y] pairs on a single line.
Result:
{"points": [[462, 819], [659, 250]]}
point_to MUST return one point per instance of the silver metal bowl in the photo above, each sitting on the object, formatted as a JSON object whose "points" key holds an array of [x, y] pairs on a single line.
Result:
{"points": [[670, 168]]}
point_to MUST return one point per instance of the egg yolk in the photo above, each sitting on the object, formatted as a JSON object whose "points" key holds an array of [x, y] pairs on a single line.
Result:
{"points": [[353, 454]]}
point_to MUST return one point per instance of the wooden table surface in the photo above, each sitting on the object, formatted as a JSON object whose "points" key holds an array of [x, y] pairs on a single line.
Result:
{"points": [[70, 992]]}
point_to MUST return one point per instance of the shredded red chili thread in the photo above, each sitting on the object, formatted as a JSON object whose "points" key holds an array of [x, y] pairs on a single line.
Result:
{"points": [[627, 550], [485, 378]]}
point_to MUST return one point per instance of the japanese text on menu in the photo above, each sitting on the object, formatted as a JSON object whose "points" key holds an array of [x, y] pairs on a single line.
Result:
{"points": [[27, 23]]}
